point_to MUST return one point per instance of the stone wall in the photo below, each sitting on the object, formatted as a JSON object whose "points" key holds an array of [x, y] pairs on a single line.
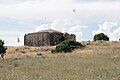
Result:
{"points": [[69, 36], [46, 38]]}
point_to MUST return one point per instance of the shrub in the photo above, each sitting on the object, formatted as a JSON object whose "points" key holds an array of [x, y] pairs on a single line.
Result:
{"points": [[67, 46], [101, 36], [1, 42], [2, 48]]}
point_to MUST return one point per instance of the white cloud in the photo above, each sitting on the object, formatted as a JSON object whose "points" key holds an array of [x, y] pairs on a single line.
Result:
{"points": [[60, 9], [78, 31], [78, 1], [18, 1], [105, 28], [34, 10], [112, 29], [96, 0], [63, 27], [60, 13]]}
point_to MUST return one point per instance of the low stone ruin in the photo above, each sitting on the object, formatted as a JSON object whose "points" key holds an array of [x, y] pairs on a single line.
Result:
{"points": [[46, 38]]}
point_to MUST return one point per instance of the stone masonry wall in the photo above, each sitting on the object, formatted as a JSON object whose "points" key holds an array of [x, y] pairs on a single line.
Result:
{"points": [[46, 38]]}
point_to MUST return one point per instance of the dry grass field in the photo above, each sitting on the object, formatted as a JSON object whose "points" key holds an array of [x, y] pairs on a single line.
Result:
{"points": [[98, 61]]}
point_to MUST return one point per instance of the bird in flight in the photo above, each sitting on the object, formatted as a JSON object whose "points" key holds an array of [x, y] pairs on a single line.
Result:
{"points": [[74, 10]]}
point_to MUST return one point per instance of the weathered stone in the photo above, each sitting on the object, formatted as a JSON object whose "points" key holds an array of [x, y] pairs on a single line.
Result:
{"points": [[46, 37]]}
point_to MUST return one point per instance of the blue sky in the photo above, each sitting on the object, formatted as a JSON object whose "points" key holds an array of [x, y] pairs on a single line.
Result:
{"points": [[18, 17]]}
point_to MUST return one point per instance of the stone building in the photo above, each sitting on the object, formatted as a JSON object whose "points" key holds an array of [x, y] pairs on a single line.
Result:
{"points": [[46, 38]]}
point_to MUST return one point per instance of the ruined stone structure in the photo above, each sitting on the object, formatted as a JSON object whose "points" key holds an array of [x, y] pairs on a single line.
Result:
{"points": [[46, 37]]}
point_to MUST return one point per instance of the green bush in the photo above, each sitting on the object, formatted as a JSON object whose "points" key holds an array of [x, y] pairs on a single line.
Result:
{"points": [[101, 36], [67, 46], [2, 48]]}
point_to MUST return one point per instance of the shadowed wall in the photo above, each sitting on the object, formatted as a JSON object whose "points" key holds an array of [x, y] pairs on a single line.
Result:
{"points": [[46, 38]]}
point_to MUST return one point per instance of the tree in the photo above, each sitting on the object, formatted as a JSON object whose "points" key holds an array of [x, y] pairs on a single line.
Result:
{"points": [[101, 36], [2, 48]]}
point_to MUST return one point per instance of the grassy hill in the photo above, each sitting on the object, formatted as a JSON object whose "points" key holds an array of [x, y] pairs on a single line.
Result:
{"points": [[98, 61]]}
